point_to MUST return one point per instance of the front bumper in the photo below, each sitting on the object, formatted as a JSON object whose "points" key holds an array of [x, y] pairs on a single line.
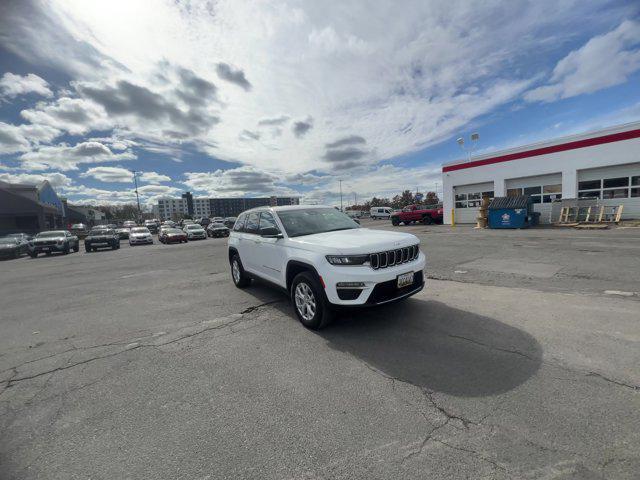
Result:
{"points": [[380, 285], [48, 248], [194, 236], [140, 241]]}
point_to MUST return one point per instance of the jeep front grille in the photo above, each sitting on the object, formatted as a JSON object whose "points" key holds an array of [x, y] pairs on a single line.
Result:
{"points": [[393, 257]]}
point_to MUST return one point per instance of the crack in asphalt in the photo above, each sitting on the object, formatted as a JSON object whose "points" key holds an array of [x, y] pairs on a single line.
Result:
{"points": [[493, 347], [131, 346], [613, 381], [476, 454]]}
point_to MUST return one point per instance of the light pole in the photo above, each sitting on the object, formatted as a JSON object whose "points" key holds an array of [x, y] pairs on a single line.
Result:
{"points": [[474, 138], [135, 180], [341, 195]]}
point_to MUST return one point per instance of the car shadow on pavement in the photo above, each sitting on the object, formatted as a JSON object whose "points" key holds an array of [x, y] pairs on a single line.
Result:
{"points": [[437, 347]]}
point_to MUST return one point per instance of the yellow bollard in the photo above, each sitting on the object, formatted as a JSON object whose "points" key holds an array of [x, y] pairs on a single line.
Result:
{"points": [[453, 217]]}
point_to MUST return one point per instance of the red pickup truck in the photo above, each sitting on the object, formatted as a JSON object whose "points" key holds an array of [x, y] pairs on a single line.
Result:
{"points": [[417, 213]]}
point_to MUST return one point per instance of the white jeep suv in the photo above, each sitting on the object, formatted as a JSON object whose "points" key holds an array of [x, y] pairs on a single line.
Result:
{"points": [[322, 258]]}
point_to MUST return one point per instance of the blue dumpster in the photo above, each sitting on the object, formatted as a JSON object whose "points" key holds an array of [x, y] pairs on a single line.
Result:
{"points": [[512, 212]]}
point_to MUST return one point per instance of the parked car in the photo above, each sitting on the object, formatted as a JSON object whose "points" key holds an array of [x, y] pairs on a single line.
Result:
{"points": [[79, 229], [123, 233], [217, 219], [12, 247], [186, 221], [152, 225], [203, 222], [324, 259], [101, 238], [380, 212], [417, 213], [217, 230], [169, 223], [140, 236], [195, 232], [172, 235], [129, 224], [55, 241], [229, 222], [25, 240], [112, 226]]}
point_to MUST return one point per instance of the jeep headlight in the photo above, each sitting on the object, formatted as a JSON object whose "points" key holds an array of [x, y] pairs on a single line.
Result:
{"points": [[347, 259]]}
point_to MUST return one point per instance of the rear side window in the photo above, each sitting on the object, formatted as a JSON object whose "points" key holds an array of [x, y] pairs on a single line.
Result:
{"points": [[253, 220], [239, 225]]}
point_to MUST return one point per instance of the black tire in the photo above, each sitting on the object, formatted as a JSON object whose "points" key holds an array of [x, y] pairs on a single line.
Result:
{"points": [[322, 314], [76, 248], [33, 254], [87, 249], [66, 249], [395, 222], [427, 220], [240, 279], [16, 254], [48, 254]]}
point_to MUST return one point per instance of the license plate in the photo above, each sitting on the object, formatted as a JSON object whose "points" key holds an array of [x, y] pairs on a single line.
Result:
{"points": [[405, 279]]}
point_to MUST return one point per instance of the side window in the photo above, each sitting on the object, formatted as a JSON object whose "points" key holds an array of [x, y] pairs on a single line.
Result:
{"points": [[239, 225], [253, 220], [267, 221]]}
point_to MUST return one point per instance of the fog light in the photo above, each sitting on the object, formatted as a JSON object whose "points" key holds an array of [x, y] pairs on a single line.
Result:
{"points": [[350, 285]]}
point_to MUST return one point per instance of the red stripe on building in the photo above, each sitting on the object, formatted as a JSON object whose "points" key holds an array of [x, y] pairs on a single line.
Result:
{"points": [[563, 147]]}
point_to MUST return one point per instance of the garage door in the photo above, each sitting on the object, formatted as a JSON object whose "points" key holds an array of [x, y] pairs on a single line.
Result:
{"points": [[545, 192], [468, 199], [613, 186]]}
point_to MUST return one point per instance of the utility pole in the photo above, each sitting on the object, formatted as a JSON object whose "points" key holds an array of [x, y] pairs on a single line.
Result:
{"points": [[135, 179], [341, 195], [355, 199]]}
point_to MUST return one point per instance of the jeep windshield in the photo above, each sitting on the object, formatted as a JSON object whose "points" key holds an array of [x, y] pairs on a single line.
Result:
{"points": [[315, 220]]}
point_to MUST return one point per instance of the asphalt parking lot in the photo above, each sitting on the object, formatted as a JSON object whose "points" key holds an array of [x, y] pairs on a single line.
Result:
{"points": [[520, 359]]}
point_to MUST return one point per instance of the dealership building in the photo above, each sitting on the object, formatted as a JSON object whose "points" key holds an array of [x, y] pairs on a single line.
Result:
{"points": [[601, 167]]}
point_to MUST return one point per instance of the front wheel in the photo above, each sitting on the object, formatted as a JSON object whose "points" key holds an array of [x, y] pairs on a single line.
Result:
{"points": [[312, 309], [427, 220], [87, 249], [395, 222], [239, 276], [33, 254]]}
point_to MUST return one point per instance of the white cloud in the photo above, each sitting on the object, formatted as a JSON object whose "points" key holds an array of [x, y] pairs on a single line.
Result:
{"points": [[154, 177], [65, 157], [402, 85], [12, 85], [56, 179], [237, 181], [19, 138], [604, 61], [109, 174]]}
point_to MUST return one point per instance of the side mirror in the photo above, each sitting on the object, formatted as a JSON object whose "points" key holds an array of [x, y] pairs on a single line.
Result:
{"points": [[270, 232]]}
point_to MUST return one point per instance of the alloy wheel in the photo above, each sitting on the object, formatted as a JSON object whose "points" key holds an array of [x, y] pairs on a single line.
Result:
{"points": [[305, 301]]}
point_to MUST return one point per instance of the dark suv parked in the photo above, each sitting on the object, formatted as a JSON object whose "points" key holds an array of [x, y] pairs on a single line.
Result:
{"points": [[101, 238]]}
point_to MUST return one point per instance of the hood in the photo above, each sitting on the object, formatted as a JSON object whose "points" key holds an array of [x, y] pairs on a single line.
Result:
{"points": [[48, 239], [356, 241]]}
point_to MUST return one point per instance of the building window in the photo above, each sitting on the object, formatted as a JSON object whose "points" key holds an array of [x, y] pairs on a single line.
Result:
{"points": [[589, 185], [615, 182], [589, 194], [514, 192], [471, 200], [615, 193], [635, 192]]}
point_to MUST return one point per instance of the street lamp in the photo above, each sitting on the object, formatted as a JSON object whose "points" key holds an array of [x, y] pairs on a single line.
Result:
{"points": [[135, 179], [470, 149]]}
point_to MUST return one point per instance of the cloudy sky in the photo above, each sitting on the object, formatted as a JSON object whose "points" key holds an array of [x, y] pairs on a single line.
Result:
{"points": [[229, 98]]}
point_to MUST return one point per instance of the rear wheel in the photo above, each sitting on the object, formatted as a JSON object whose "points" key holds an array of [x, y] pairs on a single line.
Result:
{"points": [[395, 222], [33, 254], [240, 277], [87, 249], [76, 248], [427, 220], [309, 301]]}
